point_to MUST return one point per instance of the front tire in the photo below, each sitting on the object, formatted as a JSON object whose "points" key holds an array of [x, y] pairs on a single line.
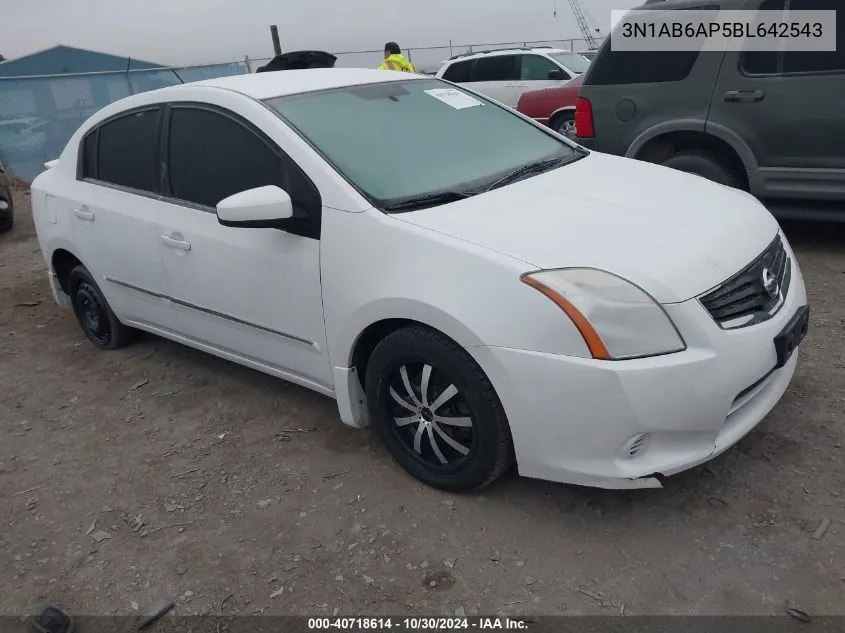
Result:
{"points": [[96, 318], [436, 411]]}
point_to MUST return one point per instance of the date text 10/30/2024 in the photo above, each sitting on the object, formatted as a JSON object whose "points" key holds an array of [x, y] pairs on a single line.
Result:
{"points": [[416, 624]]}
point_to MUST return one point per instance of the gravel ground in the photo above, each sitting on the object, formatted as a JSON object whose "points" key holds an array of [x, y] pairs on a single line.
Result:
{"points": [[157, 472]]}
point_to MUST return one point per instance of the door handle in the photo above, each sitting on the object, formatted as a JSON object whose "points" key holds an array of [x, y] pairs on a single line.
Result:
{"points": [[522, 84], [734, 96], [83, 213], [174, 242], [510, 84]]}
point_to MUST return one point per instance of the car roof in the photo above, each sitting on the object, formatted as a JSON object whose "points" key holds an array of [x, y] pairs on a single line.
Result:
{"points": [[540, 50], [287, 82]]}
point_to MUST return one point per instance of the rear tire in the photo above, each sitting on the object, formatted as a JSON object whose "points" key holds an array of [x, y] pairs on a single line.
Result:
{"points": [[8, 219], [436, 411], [96, 318], [706, 164], [564, 123]]}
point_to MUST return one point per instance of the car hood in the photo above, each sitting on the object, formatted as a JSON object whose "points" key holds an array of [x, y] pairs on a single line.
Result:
{"points": [[676, 235]]}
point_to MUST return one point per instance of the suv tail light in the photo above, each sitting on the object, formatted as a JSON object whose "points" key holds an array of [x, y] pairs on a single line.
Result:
{"points": [[584, 127]]}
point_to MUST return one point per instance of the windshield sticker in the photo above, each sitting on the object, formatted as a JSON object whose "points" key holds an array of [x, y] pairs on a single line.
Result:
{"points": [[455, 98]]}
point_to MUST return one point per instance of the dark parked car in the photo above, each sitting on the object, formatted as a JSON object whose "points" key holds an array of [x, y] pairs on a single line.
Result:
{"points": [[770, 123], [6, 217], [299, 60]]}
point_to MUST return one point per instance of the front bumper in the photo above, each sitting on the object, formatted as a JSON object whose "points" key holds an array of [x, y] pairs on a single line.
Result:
{"points": [[574, 420]]}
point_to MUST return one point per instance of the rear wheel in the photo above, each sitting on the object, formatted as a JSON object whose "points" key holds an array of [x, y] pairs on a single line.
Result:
{"points": [[7, 220], [436, 411], [706, 164], [564, 123], [99, 323]]}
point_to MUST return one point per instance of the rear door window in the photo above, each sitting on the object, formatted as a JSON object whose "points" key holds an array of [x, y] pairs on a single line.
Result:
{"points": [[799, 62], [127, 151], [496, 68], [761, 62], [459, 72], [89, 155], [537, 68]]}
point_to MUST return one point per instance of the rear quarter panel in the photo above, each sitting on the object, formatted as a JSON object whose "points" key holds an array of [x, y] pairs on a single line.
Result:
{"points": [[542, 104], [53, 222], [623, 113]]}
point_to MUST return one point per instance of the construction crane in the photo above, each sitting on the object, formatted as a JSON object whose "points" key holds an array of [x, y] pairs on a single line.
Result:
{"points": [[586, 23]]}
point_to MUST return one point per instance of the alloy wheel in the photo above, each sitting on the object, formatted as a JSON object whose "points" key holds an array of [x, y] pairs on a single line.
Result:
{"points": [[431, 417], [566, 127]]}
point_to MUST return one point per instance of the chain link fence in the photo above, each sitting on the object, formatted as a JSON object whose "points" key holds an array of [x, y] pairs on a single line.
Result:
{"points": [[428, 59], [38, 115]]}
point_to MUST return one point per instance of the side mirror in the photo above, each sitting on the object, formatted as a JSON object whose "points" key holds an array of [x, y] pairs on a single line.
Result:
{"points": [[262, 207], [559, 75]]}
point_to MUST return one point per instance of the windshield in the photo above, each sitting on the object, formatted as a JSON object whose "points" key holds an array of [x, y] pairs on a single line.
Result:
{"points": [[417, 137], [573, 61]]}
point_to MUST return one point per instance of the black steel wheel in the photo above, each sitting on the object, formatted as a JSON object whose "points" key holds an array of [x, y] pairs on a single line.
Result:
{"points": [[436, 411], [96, 318]]}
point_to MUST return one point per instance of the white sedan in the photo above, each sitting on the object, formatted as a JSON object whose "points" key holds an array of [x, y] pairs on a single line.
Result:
{"points": [[479, 288]]}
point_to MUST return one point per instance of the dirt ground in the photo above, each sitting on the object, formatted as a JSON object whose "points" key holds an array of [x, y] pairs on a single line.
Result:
{"points": [[158, 472]]}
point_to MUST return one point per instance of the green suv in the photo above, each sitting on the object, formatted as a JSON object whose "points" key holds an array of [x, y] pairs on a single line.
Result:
{"points": [[771, 123]]}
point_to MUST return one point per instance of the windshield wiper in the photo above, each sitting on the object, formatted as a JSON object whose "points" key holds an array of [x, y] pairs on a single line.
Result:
{"points": [[531, 168], [428, 200]]}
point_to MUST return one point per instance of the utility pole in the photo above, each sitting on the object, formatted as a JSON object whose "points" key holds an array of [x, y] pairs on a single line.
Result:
{"points": [[277, 46]]}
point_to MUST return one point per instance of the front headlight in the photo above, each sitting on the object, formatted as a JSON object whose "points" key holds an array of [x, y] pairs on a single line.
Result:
{"points": [[617, 319]]}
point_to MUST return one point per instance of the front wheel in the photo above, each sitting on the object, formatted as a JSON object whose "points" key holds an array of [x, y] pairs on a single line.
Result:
{"points": [[436, 411]]}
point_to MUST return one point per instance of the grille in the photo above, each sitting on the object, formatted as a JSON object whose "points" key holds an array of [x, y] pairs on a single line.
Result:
{"points": [[744, 299]]}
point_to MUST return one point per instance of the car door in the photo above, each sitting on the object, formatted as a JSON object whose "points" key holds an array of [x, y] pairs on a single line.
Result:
{"points": [[496, 76], [535, 73], [114, 212], [253, 294], [787, 107]]}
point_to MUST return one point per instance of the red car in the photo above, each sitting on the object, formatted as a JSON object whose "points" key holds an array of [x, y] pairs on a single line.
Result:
{"points": [[554, 107]]}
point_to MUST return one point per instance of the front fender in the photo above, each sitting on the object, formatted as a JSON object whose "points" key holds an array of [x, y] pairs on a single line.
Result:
{"points": [[406, 309]]}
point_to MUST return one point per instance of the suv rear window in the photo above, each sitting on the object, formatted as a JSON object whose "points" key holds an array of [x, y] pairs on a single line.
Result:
{"points": [[458, 72], [640, 67]]}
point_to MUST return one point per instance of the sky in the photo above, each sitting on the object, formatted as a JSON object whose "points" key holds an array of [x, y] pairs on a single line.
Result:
{"points": [[180, 32]]}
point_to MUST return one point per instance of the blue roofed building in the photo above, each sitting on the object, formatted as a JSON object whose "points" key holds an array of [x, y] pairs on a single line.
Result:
{"points": [[61, 60]]}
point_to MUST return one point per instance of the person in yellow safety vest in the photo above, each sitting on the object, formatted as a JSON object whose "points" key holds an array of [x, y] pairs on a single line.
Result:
{"points": [[395, 60]]}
